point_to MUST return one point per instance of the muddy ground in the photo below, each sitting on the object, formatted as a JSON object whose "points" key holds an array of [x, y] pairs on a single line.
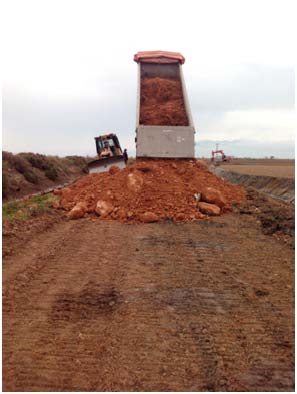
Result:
{"points": [[105, 306]]}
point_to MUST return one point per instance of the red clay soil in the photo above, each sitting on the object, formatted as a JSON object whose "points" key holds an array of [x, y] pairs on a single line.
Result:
{"points": [[165, 188], [162, 103]]}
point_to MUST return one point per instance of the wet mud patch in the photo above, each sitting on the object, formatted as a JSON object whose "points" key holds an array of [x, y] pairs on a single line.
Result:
{"points": [[87, 304], [183, 300], [276, 219], [212, 245]]}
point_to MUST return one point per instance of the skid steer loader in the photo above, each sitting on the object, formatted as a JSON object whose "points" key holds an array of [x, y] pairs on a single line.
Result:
{"points": [[109, 153]]}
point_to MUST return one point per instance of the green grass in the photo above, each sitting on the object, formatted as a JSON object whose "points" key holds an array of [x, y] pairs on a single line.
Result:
{"points": [[27, 209]]}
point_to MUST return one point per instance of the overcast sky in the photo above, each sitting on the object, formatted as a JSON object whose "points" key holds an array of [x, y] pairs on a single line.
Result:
{"points": [[69, 73]]}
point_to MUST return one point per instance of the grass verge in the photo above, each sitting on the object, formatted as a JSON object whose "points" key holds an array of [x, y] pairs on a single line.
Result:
{"points": [[26, 209]]}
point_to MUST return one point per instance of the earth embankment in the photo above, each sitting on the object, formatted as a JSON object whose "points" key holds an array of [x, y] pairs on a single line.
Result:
{"points": [[276, 187]]}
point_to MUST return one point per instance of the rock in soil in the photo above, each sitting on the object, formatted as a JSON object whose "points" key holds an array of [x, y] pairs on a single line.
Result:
{"points": [[134, 182], [78, 211], [149, 217], [103, 208], [213, 196], [209, 209]]}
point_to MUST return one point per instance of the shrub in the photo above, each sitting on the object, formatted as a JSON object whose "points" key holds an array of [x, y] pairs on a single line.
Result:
{"points": [[36, 160], [39, 210], [51, 173], [8, 156], [5, 164], [41, 204], [9, 210], [4, 185], [20, 164], [79, 161], [31, 177]]}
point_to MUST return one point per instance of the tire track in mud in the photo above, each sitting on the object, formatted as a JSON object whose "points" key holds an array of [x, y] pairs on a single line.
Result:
{"points": [[252, 277], [66, 273], [104, 306]]}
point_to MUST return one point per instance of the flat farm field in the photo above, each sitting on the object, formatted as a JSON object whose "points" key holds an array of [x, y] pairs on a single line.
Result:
{"points": [[280, 168]]}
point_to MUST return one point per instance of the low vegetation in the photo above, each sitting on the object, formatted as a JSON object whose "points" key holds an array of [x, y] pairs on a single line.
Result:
{"points": [[26, 209], [27, 172], [31, 177]]}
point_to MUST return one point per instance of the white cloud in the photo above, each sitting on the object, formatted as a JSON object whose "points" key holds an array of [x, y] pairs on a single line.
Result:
{"points": [[261, 126], [274, 125]]}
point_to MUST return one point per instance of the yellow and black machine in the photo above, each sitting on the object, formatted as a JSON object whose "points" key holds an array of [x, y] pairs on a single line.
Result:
{"points": [[109, 153]]}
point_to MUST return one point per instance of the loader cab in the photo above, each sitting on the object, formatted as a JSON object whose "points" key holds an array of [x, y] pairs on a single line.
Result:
{"points": [[108, 143]]}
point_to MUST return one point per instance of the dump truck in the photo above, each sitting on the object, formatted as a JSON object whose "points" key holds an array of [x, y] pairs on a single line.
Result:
{"points": [[109, 153], [164, 125]]}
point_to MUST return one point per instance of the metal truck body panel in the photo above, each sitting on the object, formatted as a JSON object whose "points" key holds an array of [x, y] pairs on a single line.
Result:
{"points": [[166, 142]]}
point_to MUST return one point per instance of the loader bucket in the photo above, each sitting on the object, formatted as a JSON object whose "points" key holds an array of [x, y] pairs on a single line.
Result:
{"points": [[103, 165]]}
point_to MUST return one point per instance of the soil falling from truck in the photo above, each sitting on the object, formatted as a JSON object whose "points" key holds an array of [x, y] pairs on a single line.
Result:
{"points": [[162, 103]]}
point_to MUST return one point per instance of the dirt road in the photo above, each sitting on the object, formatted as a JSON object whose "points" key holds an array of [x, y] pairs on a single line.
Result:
{"points": [[93, 306]]}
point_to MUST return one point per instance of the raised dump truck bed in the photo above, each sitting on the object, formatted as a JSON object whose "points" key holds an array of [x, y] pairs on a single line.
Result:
{"points": [[164, 126]]}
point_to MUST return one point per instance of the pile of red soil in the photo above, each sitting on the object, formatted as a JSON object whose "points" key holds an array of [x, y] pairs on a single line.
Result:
{"points": [[161, 103], [149, 190]]}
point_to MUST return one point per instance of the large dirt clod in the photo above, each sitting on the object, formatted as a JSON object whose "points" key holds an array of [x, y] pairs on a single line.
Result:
{"points": [[209, 209], [213, 196], [149, 217], [103, 208], [134, 182], [78, 211]]}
